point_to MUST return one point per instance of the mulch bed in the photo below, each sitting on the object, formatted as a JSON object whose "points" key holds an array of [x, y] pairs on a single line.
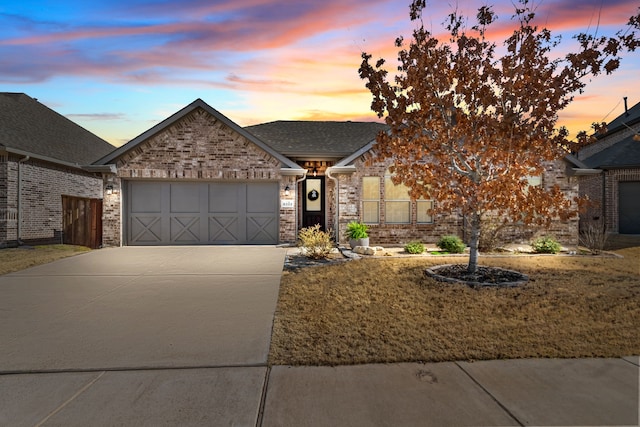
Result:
{"points": [[483, 276]]}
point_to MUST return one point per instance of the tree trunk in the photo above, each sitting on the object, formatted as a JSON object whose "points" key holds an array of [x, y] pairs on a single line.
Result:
{"points": [[473, 243]]}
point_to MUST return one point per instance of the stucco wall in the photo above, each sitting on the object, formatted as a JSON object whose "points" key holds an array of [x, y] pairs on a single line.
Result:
{"points": [[198, 148]]}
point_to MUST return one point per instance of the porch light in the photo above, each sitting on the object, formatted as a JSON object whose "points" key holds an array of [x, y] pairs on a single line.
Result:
{"points": [[109, 189], [287, 191], [315, 172]]}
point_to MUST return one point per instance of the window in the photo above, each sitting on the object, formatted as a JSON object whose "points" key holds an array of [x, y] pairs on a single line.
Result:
{"points": [[397, 203], [423, 215], [371, 200], [532, 181]]}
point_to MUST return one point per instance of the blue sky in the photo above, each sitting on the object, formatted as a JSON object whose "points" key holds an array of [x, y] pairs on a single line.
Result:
{"points": [[118, 68]]}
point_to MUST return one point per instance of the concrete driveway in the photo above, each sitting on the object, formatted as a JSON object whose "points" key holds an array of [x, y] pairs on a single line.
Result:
{"points": [[162, 327]]}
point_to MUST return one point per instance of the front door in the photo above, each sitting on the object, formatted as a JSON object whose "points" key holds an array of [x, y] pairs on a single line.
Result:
{"points": [[313, 202]]}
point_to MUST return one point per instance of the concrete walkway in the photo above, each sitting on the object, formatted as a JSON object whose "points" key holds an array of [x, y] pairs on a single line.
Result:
{"points": [[180, 336]]}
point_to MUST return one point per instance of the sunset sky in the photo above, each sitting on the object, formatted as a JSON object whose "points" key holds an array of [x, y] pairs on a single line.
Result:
{"points": [[119, 67]]}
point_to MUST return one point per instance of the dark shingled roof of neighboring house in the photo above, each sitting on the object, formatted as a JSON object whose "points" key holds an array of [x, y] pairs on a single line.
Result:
{"points": [[31, 127], [624, 153], [316, 139]]}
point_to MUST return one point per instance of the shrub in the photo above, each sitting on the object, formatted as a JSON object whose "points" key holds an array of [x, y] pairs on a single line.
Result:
{"points": [[357, 230], [491, 234], [545, 245], [451, 244], [414, 247], [316, 243], [594, 237]]}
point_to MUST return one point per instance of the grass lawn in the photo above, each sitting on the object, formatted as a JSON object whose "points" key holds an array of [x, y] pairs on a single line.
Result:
{"points": [[386, 310], [15, 259]]}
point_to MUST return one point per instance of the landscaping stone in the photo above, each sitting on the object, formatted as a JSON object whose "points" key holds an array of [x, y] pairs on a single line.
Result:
{"points": [[369, 250]]}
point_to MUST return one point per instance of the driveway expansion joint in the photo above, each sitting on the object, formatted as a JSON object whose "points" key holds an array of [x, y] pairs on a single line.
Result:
{"points": [[69, 400], [500, 404], [129, 369]]}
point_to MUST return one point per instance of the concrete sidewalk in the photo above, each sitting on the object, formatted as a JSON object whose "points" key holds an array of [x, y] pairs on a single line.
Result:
{"points": [[494, 393], [580, 392]]}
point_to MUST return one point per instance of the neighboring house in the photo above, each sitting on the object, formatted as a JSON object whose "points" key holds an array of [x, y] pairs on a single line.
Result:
{"points": [[611, 175], [199, 178], [47, 191]]}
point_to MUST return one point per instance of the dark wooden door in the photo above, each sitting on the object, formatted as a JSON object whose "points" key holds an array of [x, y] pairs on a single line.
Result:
{"points": [[82, 221], [313, 208]]}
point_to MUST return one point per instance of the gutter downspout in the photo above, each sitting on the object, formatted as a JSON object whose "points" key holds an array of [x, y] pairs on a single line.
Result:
{"points": [[19, 210], [304, 176], [604, 200]]}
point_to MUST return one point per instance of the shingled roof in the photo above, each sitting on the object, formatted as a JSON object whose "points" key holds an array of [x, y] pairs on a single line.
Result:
{"points": [[300, 139], [624, 153], [31, 127]]}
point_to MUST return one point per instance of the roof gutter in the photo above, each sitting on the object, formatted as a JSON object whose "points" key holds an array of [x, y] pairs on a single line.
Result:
{"points": [[109, 168], [43, 158], [584, 172], [292, 171], [341, 169]]}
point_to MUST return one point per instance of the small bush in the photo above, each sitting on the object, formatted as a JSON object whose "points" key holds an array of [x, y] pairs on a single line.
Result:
{"points": [[545, 245], [357, 230], [317, 244], [594, 237], [414, 247], [451, 244]]}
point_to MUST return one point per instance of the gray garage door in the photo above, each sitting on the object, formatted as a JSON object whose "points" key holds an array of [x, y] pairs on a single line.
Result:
{"points": [[200, 213], [629, 207]]}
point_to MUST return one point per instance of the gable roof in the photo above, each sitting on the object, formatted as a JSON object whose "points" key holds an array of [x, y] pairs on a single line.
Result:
{"points": [[317, 139], [198, 103], [32, 128], [623, 153]]}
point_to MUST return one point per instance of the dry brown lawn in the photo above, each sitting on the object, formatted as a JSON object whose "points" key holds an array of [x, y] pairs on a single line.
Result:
{"points": [[385, 310], [15, 259]]}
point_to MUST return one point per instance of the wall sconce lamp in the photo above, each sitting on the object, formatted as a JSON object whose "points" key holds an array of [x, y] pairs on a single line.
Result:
{"points": [[109, 189], [287, 191]]}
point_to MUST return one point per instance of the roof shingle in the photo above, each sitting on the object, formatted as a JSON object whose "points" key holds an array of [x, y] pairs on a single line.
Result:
{"points": [[28, 125], [319, 139]]}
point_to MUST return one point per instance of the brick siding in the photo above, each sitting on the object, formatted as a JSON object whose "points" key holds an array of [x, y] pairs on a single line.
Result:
{"points": [[350, 190]]}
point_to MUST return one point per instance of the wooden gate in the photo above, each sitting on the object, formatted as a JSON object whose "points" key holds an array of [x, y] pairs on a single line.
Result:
{"points": [[82, 221]]}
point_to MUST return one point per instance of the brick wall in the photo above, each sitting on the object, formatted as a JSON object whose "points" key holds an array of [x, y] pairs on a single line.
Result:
{"points": [[350, 191], [197, 147], [43, 185], [612, 179], [591, 191]]}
